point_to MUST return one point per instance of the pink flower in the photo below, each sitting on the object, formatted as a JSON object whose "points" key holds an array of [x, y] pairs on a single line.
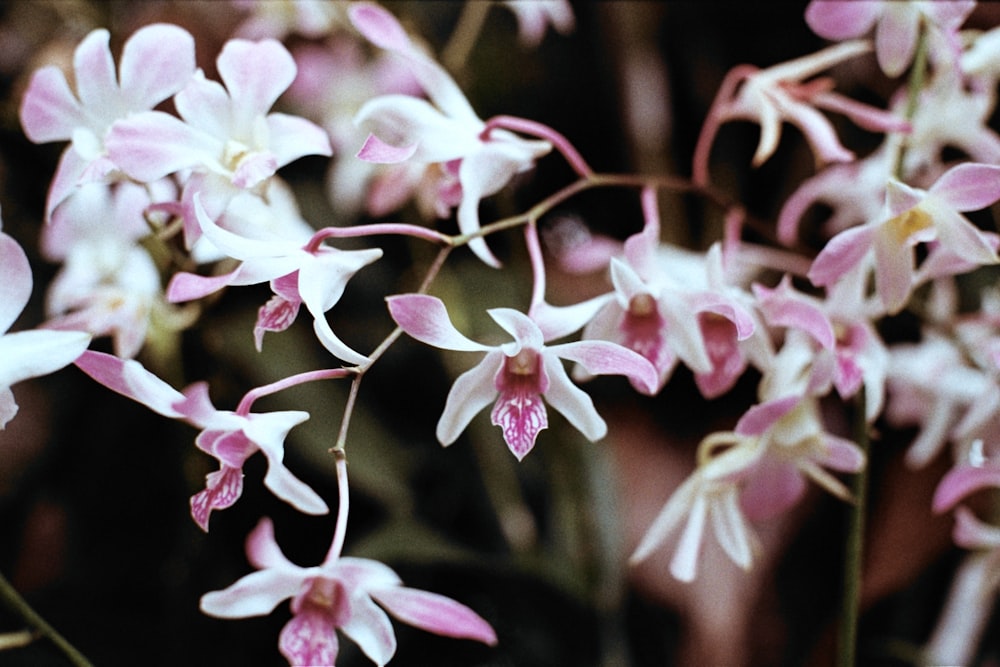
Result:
{"points": [[897, 24], [961, 481], [534, 16], [912, 216], [224, 134], [447, 132], [770, 96], [26, 354], [517, 375], [156, 62], [309, 273], [230, 437], [346, 594]]}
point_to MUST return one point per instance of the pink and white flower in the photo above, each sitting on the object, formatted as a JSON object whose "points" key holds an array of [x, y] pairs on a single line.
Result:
{"points": [[448, 132], [515, 376], [26, 354], [346, 594], [912, 216], [230, 437], [157, 61]]}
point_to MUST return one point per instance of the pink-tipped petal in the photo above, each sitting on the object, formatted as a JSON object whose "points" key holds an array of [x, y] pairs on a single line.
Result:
{"points": [[425, 318], [96, 83], [150, 145], [896, 37], [962, 481], [379, 26], [838, 20], [130, 379], [49, 110], [435, 613], [15, 286], [262, 549], [156, 62], [255, 74], [379, 152], [841, 254], [968, 186], [760, 418], [606, 358]]}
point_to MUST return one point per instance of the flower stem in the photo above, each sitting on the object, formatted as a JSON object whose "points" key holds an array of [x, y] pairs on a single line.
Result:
{"points": [[466, 32], [915, 84], [854, 548], [17, 604]]}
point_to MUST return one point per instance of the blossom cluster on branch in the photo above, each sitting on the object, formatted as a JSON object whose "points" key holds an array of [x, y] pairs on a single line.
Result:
{"points": [[170, 190]]}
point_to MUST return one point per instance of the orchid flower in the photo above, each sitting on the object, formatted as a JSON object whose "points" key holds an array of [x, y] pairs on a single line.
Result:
{"points": [[319, 275], [224, 134], [711, 493], [346, 594], [911, 216], [26, 354], [447, 132], [230, 437], [961, 481], [897, 24], [278, 19], [779, 93], [157, 61], [517, 375]]}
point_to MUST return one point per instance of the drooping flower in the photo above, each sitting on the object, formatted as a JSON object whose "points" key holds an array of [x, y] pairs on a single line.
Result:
{"points": [[157, 61], [318, 275], [230, 437], [448, 132], [912, 216], [346, 594], [26, 354], [516, 376]]}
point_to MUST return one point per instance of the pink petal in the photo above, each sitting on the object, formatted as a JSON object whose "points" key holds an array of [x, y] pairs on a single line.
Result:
{"points": [[377, 151], [962, 481], [425, 318], [49, 110], [605, 358], [760, 418], [255, 74], [150, 145], [838, 20], [896, 37], [842, 455], [276, 315], [309, 638], [262, 549], [222, 488], [784, 307], [435, 613], [841, 254], [772, 488], [131, 380], [156, 62], [522, 416], [96, 83], [379, 26], [190, 286], [968, 186]]}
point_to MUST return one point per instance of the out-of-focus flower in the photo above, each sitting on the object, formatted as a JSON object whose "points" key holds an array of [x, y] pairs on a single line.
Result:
{"points": [[26, 354], [157, 61], [447, 132], [517, 375], [535, 16], [897, 24], [278, 19], [346, 594], [912, 216]]}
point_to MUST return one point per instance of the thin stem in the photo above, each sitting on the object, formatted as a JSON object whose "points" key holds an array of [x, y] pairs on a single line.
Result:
{"points": [[17, 604], [377, 229], [537, 264], [542, 131], [915, 84], [343, 507], [854, 549], [247, 402]]}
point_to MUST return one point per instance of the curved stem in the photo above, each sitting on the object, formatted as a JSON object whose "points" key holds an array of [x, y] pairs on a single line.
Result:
{"points": [[243, 409], [915, 84], [375, 230], [343, 507], [17, 604], [542, 131]]}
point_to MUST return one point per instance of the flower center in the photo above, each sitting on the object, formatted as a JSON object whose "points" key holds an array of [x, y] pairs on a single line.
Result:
{"points": [[907, 224]]}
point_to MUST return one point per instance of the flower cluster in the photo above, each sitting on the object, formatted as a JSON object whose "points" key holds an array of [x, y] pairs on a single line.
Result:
{"points": [[172, 189]]}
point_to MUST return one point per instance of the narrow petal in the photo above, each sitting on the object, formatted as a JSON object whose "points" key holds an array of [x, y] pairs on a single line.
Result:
{"points": [[379, 26], [760, 418], [435, 613], [968, 186], [571, 401], [894, 264], [185, 286], [558, 321], [481, 174], [730, 528], [153, 144], [370, 628], [256, 594], [37, 352], [130, 379], [841, 254], [962, 481], [837, 20], [525, 332], [262, 549], [473, 390], [605, 358], [784, 307], [684, 565], [379, 152], [309, 638], [896, 37], [425, 318], [292, 490]]}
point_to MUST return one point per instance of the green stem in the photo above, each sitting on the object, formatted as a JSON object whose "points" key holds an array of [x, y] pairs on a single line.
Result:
{"points": [[17, 604], [918, 73], [854, 549], [463, 38]]}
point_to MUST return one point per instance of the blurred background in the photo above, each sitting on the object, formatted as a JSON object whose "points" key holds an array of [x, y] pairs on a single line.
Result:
{"points": [[94, 524]]}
